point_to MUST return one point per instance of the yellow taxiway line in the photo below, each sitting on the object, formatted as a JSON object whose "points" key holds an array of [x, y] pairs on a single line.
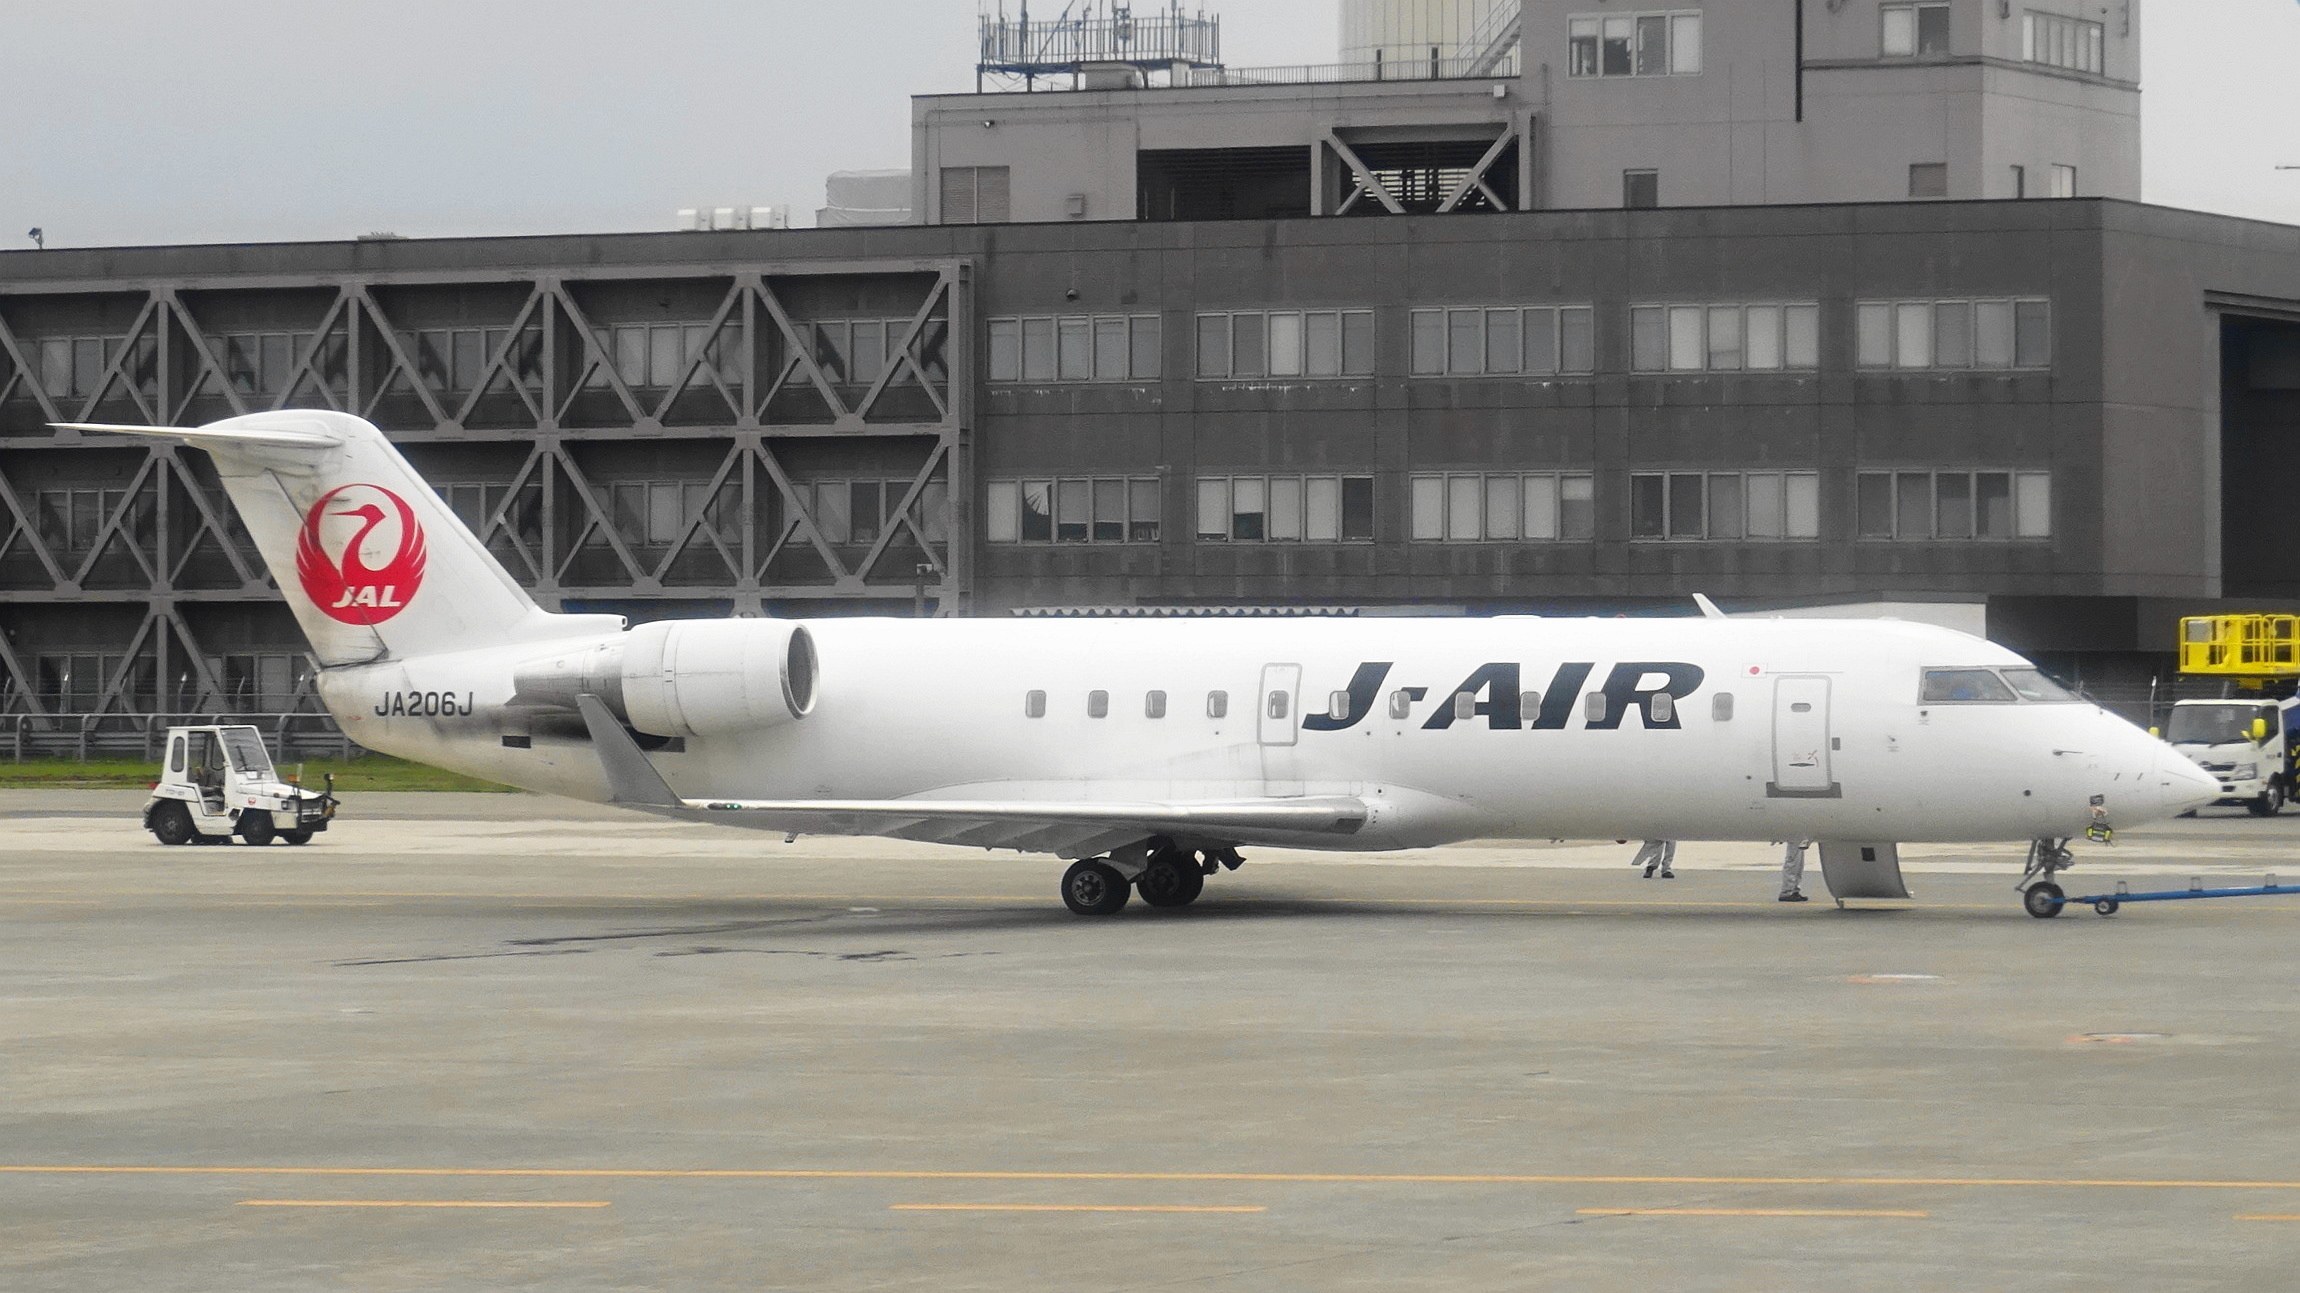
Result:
{"points": [[1746, 1212], [1281, 1178], [417, 1203], [1072, 1209]]}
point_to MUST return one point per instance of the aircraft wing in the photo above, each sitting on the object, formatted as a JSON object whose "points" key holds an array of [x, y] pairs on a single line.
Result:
{"points": [[1071, 828]]}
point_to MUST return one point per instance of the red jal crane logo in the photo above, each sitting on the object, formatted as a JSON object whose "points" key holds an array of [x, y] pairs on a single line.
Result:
{"points": [[360, 554]]}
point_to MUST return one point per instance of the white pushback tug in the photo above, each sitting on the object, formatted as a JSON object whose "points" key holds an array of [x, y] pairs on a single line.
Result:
{"points": [[1151, 751], [218, 781]]}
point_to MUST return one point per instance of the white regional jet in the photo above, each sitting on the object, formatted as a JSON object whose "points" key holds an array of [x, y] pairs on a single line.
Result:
{"points": [[1150, 750]]}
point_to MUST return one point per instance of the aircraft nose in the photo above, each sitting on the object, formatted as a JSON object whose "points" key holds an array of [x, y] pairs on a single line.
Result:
{"points": [[2181, 785]]}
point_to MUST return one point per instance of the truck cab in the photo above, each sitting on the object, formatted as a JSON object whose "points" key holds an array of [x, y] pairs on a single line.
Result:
{"points": [[2248, 743], [219, 782]]}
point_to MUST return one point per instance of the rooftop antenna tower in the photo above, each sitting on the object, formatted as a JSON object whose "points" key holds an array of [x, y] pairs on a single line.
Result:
{"points": [[1096, 45]]}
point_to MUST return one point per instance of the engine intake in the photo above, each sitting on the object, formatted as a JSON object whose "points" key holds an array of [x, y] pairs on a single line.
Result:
{"points": [[684, 678]]}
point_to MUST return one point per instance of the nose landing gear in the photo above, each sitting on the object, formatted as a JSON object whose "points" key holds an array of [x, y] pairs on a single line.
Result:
{"points": [[2040, 897]]}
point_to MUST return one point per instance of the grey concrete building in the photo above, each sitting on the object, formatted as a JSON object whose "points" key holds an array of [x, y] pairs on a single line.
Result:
{"points": [[1574, 104], [2079, 411]]}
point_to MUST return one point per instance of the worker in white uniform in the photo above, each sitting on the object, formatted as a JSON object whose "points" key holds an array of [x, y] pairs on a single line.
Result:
{"points": [[1793, 871], [1656, 855]]}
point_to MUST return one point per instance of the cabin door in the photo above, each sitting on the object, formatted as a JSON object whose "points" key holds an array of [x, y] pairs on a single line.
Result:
{"points": [[1278, 712], [1801, 740]]}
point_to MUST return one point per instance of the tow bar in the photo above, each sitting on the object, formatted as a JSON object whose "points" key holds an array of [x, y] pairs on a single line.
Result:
{"points": [[2106, 903]]}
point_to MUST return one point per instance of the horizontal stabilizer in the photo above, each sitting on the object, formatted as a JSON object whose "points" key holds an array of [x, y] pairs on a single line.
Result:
{"points": [[221, 437]]}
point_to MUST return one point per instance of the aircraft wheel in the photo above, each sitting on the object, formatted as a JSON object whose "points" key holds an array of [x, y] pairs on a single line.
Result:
{"points": [[2043, 900], [1093, 887], [1171, 880], [296, 837], [2269, 803], [256, 827], [172, 825]]}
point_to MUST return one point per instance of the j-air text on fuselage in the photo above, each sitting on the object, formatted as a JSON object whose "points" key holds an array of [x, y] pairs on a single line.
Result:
{"points": [[1151, 751]]}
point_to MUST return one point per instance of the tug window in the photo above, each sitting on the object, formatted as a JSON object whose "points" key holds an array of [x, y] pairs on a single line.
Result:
{"points": [[1034, 704], [1154, 705], [176, 755], [1217, 704], [1964, 687], [1098, 704]]}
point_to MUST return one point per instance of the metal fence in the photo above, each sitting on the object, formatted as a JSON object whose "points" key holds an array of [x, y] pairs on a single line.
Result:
{"points": [[1414, 69], [140, 736]]}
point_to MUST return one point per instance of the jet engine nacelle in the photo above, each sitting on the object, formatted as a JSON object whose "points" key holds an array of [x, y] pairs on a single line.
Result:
{"points": [[684, 677], [711, 677]]}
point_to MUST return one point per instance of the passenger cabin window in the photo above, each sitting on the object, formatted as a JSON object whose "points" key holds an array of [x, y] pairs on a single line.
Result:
{"points": [[1217, 704], [1098, 704], [1593, 706], [1721, 707], [1465, 704], [1277, 704], [1338, 706], [1401, 703], [1663, 708], [1529, 703], [1966, 687], [1154, 705], [1034, 705]]}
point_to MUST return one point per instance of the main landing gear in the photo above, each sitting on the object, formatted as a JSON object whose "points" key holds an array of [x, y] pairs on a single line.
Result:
{"points": [[2040, 897], [1164, 873]]}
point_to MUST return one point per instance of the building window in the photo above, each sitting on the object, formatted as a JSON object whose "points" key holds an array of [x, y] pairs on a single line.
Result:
{"points": [[1094, 509], [1928, 179], [1537, 341], [975, 195], [1955, 504], [1490, 507], [1076, 348], [647, 356], [1634, 44], [657, 513], [1953, 335], [77, 367], [2061, 42], [1286, 343], [1724, 337], [858, 512], [1640, 189], [1914, 30], [1725, 505], [446, 359], [2063, 181], [70, 520], [1285, 509]]}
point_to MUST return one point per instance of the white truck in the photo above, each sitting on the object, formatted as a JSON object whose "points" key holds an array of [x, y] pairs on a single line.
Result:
{"points": [[218, 782], [2248, 743]]}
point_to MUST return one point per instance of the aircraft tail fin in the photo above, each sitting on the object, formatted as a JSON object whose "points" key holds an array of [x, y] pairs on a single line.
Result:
{"points": [[368, 556]]}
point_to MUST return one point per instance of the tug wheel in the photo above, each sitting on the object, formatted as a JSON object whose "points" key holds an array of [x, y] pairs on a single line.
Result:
{"points": [[172, 825], [2043, 900], [2106, 906], [256, 826], [296, 837]]}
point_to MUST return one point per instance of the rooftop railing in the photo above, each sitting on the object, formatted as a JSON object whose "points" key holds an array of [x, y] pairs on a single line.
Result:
{"points": [[1425, 69]]}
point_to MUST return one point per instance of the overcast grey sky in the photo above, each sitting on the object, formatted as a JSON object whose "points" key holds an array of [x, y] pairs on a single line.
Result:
{"points": [[162, 121]]}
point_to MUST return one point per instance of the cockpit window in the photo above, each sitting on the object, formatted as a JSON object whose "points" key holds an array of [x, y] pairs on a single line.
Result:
{"points": [[1965, 687], [2033, 685]]}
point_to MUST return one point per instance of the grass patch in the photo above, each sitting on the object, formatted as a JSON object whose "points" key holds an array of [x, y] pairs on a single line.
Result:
{"points": [[367, 773]]}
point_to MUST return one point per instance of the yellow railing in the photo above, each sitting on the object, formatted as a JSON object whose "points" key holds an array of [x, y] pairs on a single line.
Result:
{"points": [[2241, 646]]}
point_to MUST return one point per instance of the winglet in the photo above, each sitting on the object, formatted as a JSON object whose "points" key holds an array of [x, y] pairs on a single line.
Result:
{"points": [[631, 780], [1709, 609]]}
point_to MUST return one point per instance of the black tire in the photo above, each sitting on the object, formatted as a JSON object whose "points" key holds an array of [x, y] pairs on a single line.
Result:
{"points": [[1171, 880], [256, 826], [296, 837], [2106, 906], [2268, 803], [172, 824], [2043, 900], [1093, 887]]}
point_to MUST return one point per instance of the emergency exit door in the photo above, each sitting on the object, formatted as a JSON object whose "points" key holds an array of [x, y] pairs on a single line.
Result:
{"points": [[1801, 740], [1278, 713]]}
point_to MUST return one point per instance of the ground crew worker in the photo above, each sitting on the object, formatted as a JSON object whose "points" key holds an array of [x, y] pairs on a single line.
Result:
{"points": [[1793, 871], [1656, 854]]}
